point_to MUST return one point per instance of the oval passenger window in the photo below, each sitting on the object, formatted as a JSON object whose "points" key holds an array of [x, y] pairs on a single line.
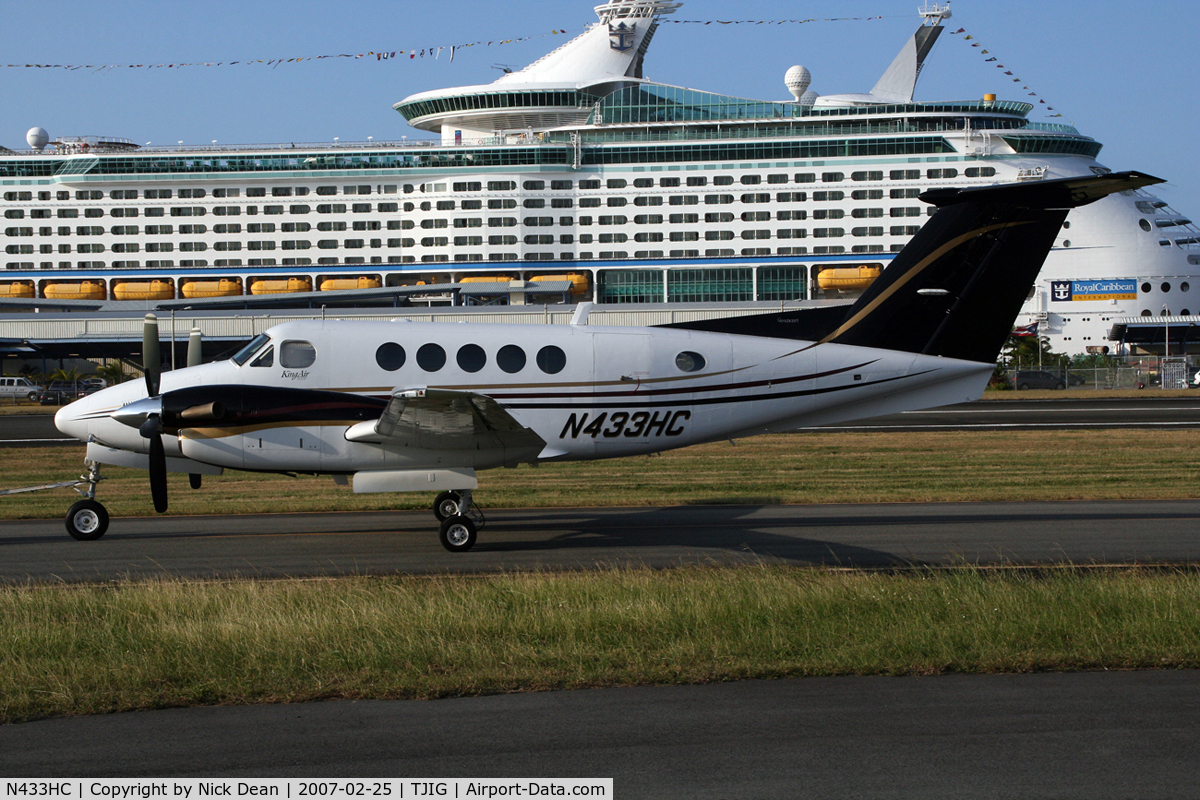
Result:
{"points": [[390, 356], [688, 361], [431, 357], [296, 354], [511, 358], [471, 358], [551, 360]]}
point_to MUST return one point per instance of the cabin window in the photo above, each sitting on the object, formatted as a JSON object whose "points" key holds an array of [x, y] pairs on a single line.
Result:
{"points": [[267, 359], [688, 361], [296, 354], [551, 360], [253, 347], [471, 358], [390, 356], [431, 357], [511, 359]]}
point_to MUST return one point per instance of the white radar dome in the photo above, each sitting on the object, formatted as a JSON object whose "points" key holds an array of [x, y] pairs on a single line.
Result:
{"points": [[37, 138], [797, 80], [809, 98]]}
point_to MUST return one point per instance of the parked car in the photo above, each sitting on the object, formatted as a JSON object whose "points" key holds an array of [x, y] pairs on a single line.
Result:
{"points": [[95, 384], [14, 388], [1039, 379], [62, 392]]}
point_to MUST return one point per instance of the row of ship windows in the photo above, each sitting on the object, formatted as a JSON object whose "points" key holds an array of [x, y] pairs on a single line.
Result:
{"points": [[943, 173], [465, 205], [187, 230], [200, 211], [460, 241], [493, 222], [502, 186], [832, 196], [167, 194], [724, 252]]}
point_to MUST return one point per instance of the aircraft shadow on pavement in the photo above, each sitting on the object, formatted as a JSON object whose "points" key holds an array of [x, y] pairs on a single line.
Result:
{"points": [[739, 531]]}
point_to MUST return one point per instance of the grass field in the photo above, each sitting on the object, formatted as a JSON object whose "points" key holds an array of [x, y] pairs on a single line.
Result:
{"points": [[161, 644], [812, 467]]}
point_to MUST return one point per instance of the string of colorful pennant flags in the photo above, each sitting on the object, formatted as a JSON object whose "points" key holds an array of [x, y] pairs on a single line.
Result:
{"points": [[765, 21], [387, 55], [378, 55], [994, 60]]}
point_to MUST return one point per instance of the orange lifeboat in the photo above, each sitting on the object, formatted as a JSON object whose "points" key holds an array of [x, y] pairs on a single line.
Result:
{"points": [[281, 286], [144, 290], [17, 289], [82, 290], [346, 284], [226, 287], [847, 279]]}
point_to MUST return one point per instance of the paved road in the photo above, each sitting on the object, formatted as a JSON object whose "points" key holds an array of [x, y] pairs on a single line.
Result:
{"points": [[1073, 410], [1091, 735], [1076, 410], [389, 542]]}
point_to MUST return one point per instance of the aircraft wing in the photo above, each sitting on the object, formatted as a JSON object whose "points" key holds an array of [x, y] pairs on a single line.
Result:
{"points": [[443, 419]]}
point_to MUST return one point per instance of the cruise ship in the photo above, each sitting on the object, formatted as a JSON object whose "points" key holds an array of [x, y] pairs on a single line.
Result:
{"points": [[576, 178]]}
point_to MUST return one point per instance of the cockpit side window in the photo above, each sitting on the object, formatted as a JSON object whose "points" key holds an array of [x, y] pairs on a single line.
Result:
{"points": [[296, 354], [267, 359], [255, 345]]}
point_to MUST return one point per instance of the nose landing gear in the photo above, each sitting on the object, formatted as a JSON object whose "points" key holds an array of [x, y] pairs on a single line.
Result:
{"points": [[87, 520]]}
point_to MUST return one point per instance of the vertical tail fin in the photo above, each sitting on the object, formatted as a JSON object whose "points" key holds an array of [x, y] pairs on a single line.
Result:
{"points": [[958, 285]]}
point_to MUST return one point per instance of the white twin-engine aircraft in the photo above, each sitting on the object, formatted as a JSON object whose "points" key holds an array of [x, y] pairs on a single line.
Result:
{"points": [[401, 407]]}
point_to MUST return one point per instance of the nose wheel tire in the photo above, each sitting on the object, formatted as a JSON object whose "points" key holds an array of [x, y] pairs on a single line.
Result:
{"points": [[446, 505], [457, 534], [88, 520]]}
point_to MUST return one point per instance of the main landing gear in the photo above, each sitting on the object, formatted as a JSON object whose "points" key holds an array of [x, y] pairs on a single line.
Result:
{"points": [[87, 520], [460, 520]]}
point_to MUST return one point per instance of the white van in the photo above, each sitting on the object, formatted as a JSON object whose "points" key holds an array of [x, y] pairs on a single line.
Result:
{"points": [[16, 388]]}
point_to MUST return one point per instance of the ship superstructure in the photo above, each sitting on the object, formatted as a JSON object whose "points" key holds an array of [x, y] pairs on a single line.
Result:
{"points": [[578, 169]]}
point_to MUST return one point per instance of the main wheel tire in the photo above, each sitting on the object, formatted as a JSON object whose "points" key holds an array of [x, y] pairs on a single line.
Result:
{"points": [[457, 534], [446, 505], [87, 520]]}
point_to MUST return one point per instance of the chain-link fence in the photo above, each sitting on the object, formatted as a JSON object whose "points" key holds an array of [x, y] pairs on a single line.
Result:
{"points": [[1132, 372]]}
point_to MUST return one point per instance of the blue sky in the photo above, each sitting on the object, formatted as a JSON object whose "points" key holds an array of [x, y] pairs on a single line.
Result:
{"points": [[1125, 74]]}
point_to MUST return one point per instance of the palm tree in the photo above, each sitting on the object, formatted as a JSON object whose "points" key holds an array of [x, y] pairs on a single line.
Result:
{"points": [[113, 372], [72, 374]]}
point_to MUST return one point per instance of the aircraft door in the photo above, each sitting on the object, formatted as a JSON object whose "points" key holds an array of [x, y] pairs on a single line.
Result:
{"points": [[623, 365]]}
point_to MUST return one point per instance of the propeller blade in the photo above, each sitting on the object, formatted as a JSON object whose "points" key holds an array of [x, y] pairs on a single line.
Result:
{"points": [[193, 351], [151, 358], [194, 480], [151, 428], [158, 474]]}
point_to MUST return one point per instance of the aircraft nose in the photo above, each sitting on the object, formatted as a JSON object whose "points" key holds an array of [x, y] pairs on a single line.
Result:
{"points": [[69, 420]]}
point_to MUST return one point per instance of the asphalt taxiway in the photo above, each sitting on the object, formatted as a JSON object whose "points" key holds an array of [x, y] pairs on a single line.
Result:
{"points": [[871, 535], [1089, 736]]}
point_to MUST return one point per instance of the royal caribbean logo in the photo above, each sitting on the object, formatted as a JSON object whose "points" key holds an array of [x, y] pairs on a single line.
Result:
{"points": [[621, 37], [1074, 291]]}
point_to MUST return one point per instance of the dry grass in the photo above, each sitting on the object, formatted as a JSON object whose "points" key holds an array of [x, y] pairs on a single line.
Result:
{"points": [[814, 467], [159, 644]]}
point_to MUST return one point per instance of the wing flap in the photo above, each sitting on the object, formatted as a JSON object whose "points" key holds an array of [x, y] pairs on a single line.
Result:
{"points": [[443, 419]]}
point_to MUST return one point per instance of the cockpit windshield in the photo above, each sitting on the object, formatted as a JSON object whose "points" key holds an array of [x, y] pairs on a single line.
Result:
{"points": [[255, 345]]}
